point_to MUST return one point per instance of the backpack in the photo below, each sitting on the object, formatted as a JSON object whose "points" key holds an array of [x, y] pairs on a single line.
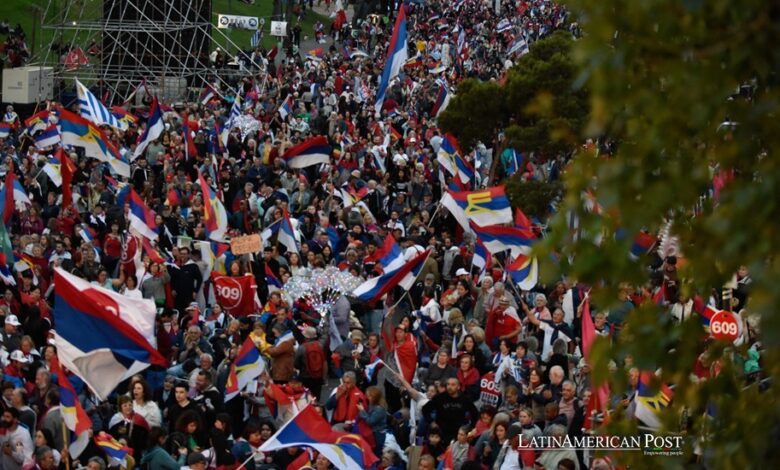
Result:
{"points": [[313, 359]]}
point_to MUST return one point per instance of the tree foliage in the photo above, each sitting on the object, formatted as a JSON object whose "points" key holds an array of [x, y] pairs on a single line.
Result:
{"points": [[663, 75], [661, 78], [533, 197], [537, 106]]}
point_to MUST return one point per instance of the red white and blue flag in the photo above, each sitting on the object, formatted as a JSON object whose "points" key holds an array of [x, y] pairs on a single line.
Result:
{"points": [[49, 137], [273, 283], [309, 429], [498, 238], [373, 367], [247, 366], [396, 57], [102, 336], [214, 213], [481, 258], [484, 207], [311, 151], [286, 107], [73, 414], [442, 99], [78, 132], [115, 451], [524, 271], [154, 128], [388, 258], [404, 276], [140, 217]]}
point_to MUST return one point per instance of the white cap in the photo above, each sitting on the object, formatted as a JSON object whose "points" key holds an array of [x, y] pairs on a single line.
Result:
{"points": [[12, 320], [18, 356], [461, 272]]}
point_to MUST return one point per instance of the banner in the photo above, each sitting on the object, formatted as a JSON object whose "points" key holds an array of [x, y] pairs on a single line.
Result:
{"points": [[278, 28], [235, 294], [237, 22]]}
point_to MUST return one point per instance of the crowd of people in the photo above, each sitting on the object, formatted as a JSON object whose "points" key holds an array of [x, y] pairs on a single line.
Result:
{"points": [[13, 49], [492, 365]]}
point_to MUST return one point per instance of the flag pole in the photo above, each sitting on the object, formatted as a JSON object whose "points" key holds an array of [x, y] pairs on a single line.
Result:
{"points": [[433, 216], [66, 454]]}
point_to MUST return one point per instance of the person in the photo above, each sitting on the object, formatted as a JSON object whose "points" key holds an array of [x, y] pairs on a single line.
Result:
{"points": [[220, 439], [196, 461], [450, 409], [182, 404], [129, 426], [144, 405], [310, 361], [245, 450], [345, 403], [16, 443], [43, 438], [208, 400], [441, 370], [460, 450], [282, 355], [508, 457], [156, 455], [468, 377], [44, 458], [190, 426], [375, 416]]}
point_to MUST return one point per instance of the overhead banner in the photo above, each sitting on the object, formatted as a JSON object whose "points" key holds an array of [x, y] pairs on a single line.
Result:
{"points": [[238, 22]]}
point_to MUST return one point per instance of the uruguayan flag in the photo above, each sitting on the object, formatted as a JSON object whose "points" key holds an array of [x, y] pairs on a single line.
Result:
{"points": [[92, 109]]}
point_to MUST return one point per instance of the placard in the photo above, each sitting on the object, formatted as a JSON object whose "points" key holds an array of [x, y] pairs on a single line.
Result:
{"points": [[247, 244], [278, 28], [237, 22]]}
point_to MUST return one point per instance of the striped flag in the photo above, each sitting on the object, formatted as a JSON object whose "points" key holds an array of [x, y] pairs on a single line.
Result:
{"points": [[91, 108], [255, 40], [49, 137], [396, 57], [115, 451], [73, 414], [519, 46]]}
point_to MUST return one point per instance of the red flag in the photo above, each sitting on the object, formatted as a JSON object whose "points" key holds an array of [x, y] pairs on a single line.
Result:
{"points": [[152, 253], [75, 58], [599, 397], [190, 151], [521, 221], [235, 294], [67, 168]]}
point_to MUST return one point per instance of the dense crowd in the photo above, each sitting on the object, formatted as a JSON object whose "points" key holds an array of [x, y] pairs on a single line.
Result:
{"points": [[493, 365], [13, 49]]}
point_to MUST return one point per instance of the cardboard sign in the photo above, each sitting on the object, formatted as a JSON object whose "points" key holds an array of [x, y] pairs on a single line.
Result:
{"points": [[248, 244]]}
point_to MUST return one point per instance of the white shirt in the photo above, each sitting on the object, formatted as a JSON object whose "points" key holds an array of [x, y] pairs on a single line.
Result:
{"points": [[511, 459], [150, 412]]}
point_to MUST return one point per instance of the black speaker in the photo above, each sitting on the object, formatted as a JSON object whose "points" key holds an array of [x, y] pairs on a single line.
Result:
{"points": [[166, 37]]}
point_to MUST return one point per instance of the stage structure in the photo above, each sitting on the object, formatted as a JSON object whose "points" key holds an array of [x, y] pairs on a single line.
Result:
{"points": [[113, 45]]}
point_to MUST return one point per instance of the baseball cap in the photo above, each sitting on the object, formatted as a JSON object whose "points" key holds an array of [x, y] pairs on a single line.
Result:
{"points": [[12, 320], [461, 272], [18, 356]]}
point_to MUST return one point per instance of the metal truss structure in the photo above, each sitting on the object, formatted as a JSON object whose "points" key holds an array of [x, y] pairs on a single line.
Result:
{"points": [[162, 43]]}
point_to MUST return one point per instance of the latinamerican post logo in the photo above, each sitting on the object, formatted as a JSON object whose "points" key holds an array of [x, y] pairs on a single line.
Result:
{"points": [[648, 444]]}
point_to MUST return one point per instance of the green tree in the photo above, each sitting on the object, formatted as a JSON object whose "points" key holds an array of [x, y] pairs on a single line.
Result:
{"points": [[663, 76], [537, 108]]}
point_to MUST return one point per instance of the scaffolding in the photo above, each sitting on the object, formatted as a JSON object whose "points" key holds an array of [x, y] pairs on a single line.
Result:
{"points": [[164, 44]]}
